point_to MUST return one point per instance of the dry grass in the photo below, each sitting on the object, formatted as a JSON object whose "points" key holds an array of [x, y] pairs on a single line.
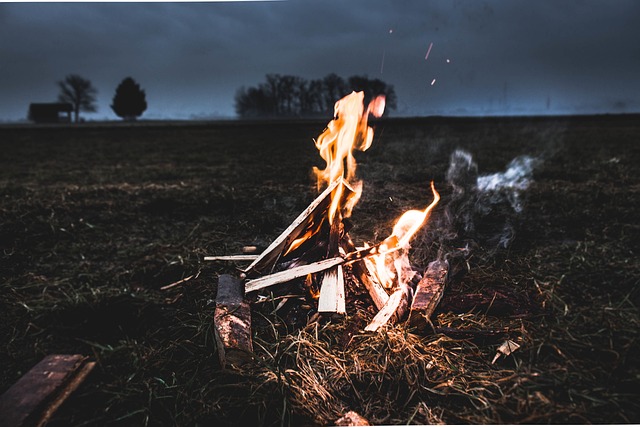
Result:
{"points": [[95, 220]]}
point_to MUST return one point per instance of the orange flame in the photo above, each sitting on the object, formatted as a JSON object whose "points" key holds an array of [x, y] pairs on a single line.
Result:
{"points": [[348, 131], [392, 264]]}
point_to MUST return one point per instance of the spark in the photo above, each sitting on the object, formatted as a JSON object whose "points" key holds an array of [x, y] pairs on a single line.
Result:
{"points": [[448, 60], [390, 30], [382, 64], [433, 82], [428, 51]]}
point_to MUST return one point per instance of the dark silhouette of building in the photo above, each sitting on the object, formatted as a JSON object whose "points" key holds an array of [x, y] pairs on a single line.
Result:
{"points": [[54, 112]]}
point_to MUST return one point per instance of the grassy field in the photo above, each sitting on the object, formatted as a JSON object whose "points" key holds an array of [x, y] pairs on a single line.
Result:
{"points": [[95, 219]]}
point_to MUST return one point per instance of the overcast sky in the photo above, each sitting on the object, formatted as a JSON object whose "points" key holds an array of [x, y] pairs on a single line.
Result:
{"points": [[486, 57]]}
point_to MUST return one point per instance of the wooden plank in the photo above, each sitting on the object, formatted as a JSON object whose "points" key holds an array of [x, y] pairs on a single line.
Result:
{"points": [[264, 263], [291, 274], [232, 323], [232, 258], [393, 311], [35, 397], [332, 297], [428, 294]]}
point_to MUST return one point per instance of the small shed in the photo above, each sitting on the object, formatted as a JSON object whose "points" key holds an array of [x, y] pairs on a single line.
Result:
{"points": [[54, 112]]}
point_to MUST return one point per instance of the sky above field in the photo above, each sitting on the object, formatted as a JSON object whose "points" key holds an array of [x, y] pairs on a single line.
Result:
{"points": [[449, 57]]}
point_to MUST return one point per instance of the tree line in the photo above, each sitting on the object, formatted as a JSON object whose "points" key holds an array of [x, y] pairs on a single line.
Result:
{"points": [[293, 96], [129, 101]]}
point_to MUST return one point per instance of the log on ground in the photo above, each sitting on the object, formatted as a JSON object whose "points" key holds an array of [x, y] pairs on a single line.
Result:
{"points": [[33, 399], [232, 323], [428, 294]]}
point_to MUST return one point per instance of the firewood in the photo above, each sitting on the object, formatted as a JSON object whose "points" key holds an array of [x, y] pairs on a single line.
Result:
{"points": [[265, 262], [34, 398], [361, 271], [291, 274], [428, 294], [232, 258], [332, 298], [232, 322], [394, 310]]}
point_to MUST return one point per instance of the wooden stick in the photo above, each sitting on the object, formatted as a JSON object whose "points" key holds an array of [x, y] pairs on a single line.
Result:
{"points": [[428, 294], [265, 262], [232, 321], [290, 274], [232, 258], [34, 398], [332, 298], [394, 310]]}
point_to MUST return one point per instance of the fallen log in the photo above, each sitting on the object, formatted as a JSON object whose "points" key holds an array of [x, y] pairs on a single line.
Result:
{"points": [[427, 295], [232, 323], [34, 398]]}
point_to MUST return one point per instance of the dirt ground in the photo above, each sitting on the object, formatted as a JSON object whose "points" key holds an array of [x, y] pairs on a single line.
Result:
{"points": [[96, 219]]}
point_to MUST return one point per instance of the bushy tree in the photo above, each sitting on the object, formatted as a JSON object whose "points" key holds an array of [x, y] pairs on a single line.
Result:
{"points": [[79, 92], [130, 101]]}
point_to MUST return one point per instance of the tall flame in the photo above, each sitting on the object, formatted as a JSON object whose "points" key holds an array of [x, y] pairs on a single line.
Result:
{"points": [[348, 131]]}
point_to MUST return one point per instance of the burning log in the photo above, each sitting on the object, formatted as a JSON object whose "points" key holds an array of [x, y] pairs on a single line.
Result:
{"points": [[361, 271], [428, 294], [37, 395], [232, 321]]}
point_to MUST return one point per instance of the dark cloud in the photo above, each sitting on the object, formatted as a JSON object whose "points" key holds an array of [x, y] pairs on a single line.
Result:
{"points": [[503, 56]]}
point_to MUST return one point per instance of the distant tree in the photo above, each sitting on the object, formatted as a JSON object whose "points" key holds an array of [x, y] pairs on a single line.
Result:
{"points": [[79, 92], [288, 96], [129, 102]]}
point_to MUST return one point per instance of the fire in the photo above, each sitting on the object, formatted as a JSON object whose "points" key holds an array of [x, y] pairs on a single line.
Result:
{"points": [[348, 131], [391, 265]]}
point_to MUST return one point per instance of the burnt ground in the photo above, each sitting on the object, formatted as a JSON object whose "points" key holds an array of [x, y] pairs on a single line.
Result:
{"points": [[95, 219]]}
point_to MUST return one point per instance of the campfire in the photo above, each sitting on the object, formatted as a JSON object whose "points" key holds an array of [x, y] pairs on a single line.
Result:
{"points": [[317, 250]]}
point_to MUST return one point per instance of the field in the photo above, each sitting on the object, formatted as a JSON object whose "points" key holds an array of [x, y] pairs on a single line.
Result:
{"points": [[96, 219]]}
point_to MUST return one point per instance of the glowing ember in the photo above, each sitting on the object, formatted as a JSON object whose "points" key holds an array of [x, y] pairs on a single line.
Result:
{"points": [[428, 51]]}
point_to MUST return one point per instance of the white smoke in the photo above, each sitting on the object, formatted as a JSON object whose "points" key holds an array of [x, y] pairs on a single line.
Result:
{"points": [[510, 183], [483, 209]]}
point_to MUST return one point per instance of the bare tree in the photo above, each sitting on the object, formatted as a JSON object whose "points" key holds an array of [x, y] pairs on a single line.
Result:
{"points": [[79, 92]]}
